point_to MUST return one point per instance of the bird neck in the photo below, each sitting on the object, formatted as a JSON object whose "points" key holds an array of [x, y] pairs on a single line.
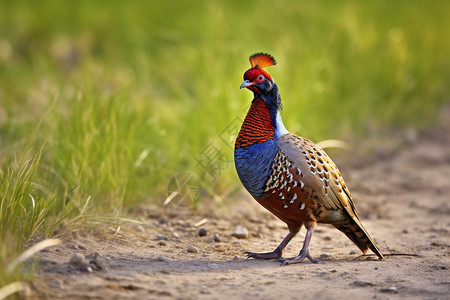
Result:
{"points": [[261, 124], [257, 127], [273, 101]]}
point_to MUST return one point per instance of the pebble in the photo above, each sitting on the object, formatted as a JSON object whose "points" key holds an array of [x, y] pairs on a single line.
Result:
{"points": [[176, 235], [162, 243], [371, 258], [193, 249], [81, 247], [392, 290], [202, 232], [324, 255], [363, 283], [77, 259], [161, 237], [352, 252], [213, 238], [84, 267], [97, 262], [236, 257], [240, 232]]}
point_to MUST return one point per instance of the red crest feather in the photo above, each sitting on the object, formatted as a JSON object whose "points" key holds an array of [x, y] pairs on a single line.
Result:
{"points": [[262, 60]]}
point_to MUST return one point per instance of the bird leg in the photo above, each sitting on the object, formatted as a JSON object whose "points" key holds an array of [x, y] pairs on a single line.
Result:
{"points": [[304, 253], [275, 253]]}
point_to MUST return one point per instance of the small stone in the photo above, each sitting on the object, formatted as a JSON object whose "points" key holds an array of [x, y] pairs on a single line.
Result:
{"points": [[81, 247], [236, 257], [240, 232], [371, 258], [352, 252], [77, 259], [405, 230], [84, 267], [202, 232], [162, 243], [98, 263], [193, 249], [324, 255], [363, 283], [213, 238], [176, 235], [391, 290], [161, 237]]}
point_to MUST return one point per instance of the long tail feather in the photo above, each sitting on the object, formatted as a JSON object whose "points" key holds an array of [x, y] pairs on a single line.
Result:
{"points": [[356, 232]]}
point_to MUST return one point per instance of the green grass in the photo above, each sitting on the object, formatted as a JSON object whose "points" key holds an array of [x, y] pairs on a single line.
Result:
{"points": [[124, 96]]}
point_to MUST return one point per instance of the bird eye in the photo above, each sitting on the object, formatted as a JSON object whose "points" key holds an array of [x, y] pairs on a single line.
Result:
{"points": [[261, 78]]}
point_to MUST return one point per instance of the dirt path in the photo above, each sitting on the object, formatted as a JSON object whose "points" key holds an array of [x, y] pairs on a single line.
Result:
{"points": [[403, 198]]}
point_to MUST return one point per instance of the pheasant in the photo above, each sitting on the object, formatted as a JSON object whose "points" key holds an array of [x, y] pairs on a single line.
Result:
{"points": [[289, 175]]}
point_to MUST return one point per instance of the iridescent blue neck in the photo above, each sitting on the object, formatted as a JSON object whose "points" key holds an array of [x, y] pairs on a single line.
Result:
{"points": [[273, 101]]}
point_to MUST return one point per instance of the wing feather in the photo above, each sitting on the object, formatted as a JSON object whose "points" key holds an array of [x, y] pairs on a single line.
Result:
{"points": [[319, 171]]}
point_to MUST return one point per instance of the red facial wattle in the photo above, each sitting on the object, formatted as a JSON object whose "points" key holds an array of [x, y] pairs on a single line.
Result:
{"points": [[254, 76]]}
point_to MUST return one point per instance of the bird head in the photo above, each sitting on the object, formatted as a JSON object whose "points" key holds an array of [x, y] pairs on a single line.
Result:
{"points": [[255, 78]]}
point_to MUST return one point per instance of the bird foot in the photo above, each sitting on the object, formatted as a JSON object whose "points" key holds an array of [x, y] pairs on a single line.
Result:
{"points": [[269, 255], [298, 259]]}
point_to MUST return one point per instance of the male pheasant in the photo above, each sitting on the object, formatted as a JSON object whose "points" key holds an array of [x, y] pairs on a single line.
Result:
{"points": [[289, 175]]}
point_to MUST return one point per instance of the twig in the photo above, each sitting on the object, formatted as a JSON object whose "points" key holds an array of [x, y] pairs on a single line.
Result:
{"points": [[392, 253]]}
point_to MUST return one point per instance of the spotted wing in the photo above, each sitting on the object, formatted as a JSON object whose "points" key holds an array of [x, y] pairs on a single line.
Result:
{"points": [[319, 172]]}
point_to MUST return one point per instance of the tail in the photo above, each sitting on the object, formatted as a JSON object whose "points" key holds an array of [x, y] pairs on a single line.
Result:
{"points": [[356, 232]]}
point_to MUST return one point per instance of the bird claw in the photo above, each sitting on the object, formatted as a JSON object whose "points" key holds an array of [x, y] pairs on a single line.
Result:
{"points": [[298, 259], [268, 255]]}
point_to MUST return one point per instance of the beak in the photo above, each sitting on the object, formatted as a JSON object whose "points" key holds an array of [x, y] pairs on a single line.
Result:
{"points": [[246, 83]]}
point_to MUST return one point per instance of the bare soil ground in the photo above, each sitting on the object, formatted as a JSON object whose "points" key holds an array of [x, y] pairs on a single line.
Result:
{"points": [[401, 191]]}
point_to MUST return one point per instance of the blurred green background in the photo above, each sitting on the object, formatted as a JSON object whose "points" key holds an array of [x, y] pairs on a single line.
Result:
{"points": [[123, 95]]}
